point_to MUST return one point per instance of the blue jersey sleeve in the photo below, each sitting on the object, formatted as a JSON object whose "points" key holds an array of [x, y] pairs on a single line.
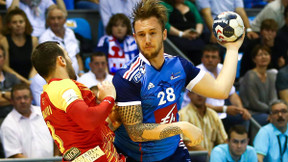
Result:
{"points": [[126, 91], [190, 70]]}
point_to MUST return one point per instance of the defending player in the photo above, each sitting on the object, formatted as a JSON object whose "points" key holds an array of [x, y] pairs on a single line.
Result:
{"points": [[76, 123], [149, 89]]}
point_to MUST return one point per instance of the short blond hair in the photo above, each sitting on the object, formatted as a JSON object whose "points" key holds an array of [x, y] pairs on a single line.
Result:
{"points": [[150, 8]]}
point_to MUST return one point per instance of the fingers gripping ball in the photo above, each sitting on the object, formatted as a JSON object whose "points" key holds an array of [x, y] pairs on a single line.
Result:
{"points": [[228, 27]]}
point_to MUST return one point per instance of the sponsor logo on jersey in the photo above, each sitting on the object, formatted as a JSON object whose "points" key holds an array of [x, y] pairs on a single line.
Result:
{"points": [[69, 96], [175, 75], [166, 115], [137, 77], [151, 85]]}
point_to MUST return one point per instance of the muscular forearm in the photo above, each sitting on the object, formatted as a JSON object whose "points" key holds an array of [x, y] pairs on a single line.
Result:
{"points": [[143, 132], [89, 118]]}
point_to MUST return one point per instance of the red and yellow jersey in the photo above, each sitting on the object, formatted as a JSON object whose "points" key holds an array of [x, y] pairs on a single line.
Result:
{"points": [[56, 100]]}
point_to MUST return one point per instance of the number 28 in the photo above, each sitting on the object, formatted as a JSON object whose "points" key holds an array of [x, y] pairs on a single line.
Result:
{"points": [[168, 96]]}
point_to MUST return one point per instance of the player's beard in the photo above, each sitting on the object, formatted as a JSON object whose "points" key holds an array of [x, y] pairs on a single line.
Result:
{"points": [[153, 54], [71, 71]]}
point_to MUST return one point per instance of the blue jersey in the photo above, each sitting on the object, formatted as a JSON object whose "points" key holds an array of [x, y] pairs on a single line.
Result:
{"points": [[158, 92]]}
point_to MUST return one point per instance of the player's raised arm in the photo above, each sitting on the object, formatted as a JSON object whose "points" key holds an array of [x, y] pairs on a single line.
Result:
{"points": [[131, 117], [221, 86]]}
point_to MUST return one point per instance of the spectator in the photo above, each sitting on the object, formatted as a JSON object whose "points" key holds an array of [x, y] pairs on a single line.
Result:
{"points": [[118, 44], [7, 81], [36, 86], [237, 148], [281, 42], [257, 88], [56, 31], [185, 27], [267, 38], [108, 8], [271, 141], [98, 72], [282, 83], [237, 114], [18, 45], [35, 11], [23, 132], [206, 119], [273, 10], [210, 9]]}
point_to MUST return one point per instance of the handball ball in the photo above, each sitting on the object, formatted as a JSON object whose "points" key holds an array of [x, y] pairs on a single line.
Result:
{"points": [[228, 27]]}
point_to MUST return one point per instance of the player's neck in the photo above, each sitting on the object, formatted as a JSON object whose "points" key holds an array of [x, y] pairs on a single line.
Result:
{"points": [[158, 61], [58, 73]]}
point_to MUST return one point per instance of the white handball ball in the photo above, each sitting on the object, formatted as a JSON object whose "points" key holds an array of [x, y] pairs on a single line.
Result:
{"points": [[228, 27]]}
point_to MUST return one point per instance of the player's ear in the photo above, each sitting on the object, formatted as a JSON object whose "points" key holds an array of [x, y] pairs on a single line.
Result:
{"points": [[164, 34], [61, 60]]}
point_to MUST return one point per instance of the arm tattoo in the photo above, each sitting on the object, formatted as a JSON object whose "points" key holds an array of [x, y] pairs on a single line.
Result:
{"points": [[130, 115], [170, 131], [132, 118]]}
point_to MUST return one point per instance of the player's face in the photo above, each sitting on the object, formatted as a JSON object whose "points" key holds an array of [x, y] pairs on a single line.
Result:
{"points": [[210, 60], [197, 100], [119, 30], [69, 67], [238, 143], [17, 24], [279, 115], [262, 58], [149, 37], [98, 65], [22, 100], [56, 20]]}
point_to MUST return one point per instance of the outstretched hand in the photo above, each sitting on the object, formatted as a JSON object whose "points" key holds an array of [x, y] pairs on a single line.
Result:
{"points": [[233, 45]]}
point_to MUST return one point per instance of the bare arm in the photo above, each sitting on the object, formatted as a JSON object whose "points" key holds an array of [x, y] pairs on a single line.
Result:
{"points": [[14, 4], [207, 15], [221, 86], [132, 118], [242, 13], [284, 95], [20, 155], [260, 157], [235, 100]]}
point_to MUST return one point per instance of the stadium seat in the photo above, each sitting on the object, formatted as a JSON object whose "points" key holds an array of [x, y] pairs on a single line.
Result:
{"points": [[80, 26]]}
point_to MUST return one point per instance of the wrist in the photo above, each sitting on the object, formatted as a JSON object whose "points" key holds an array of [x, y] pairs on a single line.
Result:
{"points": [[180, 34], [225, 109], [249, 30]]}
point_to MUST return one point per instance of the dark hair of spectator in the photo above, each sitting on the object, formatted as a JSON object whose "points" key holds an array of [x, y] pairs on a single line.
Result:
{"points": [[276, 102], [8, 18], [150, 8], [44, 57], [259, 47], [97, 54], [21, 86], [269, 24], [239, 129], [286, 12], [171, 2], [210, 48], [115, 19]]}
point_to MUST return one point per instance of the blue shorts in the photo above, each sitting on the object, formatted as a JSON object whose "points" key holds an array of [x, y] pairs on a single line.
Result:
{"points": [[180, 155]]}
